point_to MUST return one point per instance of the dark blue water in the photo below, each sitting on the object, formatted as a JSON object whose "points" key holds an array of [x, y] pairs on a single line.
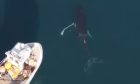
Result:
{"points": [[114, 26]]}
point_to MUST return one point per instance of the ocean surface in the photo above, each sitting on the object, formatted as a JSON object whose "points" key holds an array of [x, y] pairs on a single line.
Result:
{"points": [[114, 25]]}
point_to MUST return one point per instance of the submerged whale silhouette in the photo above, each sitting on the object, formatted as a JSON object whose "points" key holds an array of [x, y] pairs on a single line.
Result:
{"points": [[80, 25]]}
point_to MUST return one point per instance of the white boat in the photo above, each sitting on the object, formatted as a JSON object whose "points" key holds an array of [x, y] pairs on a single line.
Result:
{"points": [[21, 63]]}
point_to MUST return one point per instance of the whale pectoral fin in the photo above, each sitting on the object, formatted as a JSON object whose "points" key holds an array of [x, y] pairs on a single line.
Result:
{"points": [[73, 24], [85, 41], [89, 34]]}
